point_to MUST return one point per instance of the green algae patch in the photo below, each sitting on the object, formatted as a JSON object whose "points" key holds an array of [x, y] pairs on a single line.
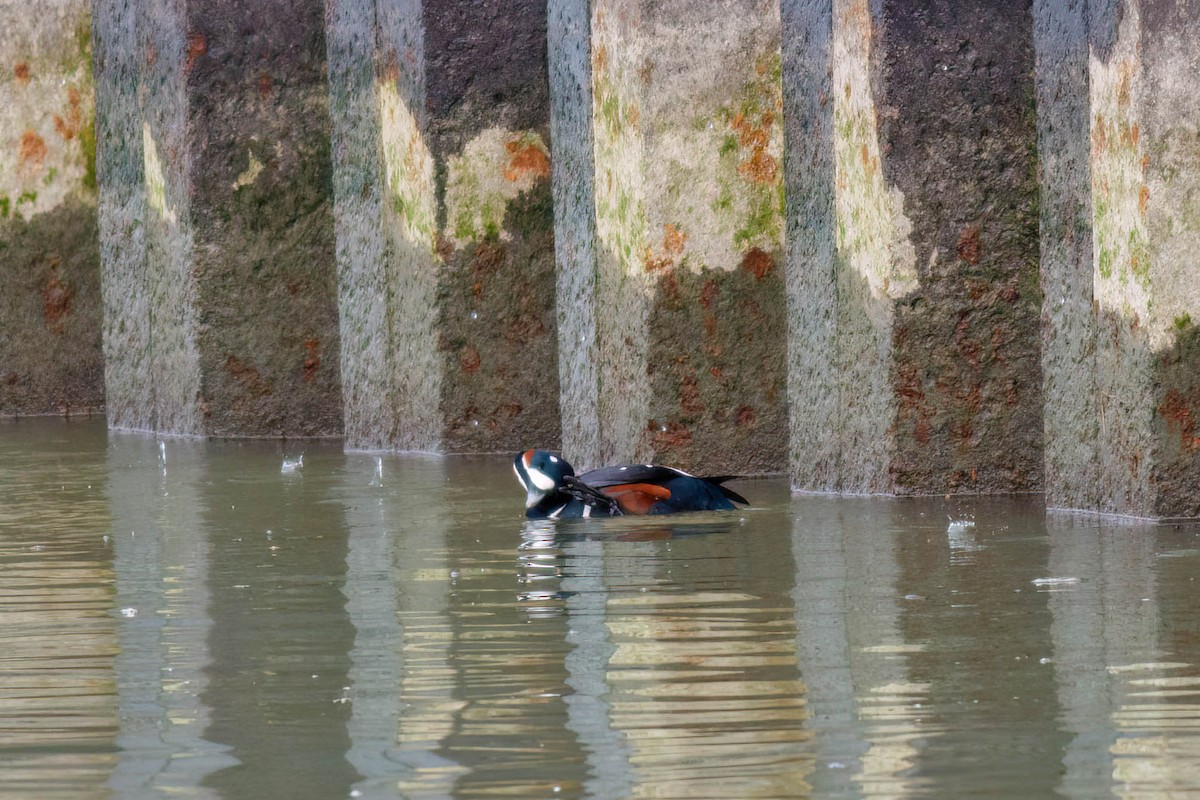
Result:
{"points": [[492, 170]]}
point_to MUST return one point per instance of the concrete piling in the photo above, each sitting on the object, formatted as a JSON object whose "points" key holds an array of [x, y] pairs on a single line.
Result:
{"points": [[218, 236], [1118, 122], [50, 355], [748, 236], [445, 225], [913, 295], [672, 235]]}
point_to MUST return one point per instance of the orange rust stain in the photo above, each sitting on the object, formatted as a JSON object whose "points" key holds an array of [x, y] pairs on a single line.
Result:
{"points": [[32, 152], [1178, 414], [526, 328], [674, 240], [525, 159], [312, 357], [1123, 82], [21, 71], [1143, 198], [973, 399], [443, 245], [632, 115], [708, 293], [197, 46], [654, 263], [761, 168], [247, 375], [675, 435], [69, 127], [600, 58], [689, 396], [669, 287], [745, 416], [56, 303], [758, 263], [912, 402], [391, 67], [969, 248], [1099, 135], [264, 85], [1011, 394], [469, 360]]}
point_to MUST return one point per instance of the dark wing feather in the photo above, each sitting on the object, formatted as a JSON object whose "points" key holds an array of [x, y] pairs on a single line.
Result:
{"points": [[629, 473], [725, 490], [654, 474], [589, 495]]}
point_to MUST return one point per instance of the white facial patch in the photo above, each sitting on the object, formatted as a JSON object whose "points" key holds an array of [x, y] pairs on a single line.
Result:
{"points": [[540, 479]]}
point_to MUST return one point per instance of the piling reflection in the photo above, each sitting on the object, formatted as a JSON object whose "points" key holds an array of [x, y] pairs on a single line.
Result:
{"points": [[402, 526], [683, 680], [1126, 698], [391, 627], [865, 710], [967, 568], [280, 637], [160, 560], [506, 668]]}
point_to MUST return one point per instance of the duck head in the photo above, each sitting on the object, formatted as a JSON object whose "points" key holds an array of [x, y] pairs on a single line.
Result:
{"points": [[541, 473]]}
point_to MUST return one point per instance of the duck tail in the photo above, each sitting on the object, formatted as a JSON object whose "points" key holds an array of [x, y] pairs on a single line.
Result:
{"points": [[718, 480]]}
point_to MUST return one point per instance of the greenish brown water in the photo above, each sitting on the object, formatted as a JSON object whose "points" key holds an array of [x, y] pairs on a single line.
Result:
{"points": [[192, 621]]}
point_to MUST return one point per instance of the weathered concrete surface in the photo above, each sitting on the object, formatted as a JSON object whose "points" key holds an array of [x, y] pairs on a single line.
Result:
{"points": [[1068, 320], [568, 40], [674, 232], [445, 231], [913, 294], [1129, 181], [50, 355], [217, 234]]}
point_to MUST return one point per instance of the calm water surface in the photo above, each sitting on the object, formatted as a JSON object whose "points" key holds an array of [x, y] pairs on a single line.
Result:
{"points": [[183, 618]]}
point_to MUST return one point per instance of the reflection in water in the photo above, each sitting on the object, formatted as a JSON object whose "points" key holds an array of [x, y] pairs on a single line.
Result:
{"points": [[377, 660], [694, 672], [349, 631], [160, 557], [1120, 690], [864, 710], [400, 686], [280, 637], [507, 669], [57, 622], [610, 772]]}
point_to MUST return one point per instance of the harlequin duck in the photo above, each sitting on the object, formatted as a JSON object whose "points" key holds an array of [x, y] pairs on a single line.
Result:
{"points": [[554, 492]]}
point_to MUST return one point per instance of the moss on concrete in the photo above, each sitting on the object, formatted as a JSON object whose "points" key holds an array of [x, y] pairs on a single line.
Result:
{"points": [[497, 333], [717, 371], [50, 357]]}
